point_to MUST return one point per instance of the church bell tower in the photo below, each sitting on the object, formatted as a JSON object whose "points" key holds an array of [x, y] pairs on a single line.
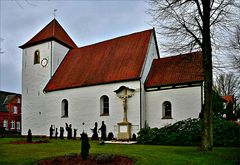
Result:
{"points": [[41, 56]]}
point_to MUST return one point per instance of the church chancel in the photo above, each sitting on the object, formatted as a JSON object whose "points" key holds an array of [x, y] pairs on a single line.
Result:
{"points": [[124, 127]]}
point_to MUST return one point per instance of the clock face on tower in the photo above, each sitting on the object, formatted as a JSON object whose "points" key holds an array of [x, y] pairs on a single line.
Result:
{"points": [[44, 62]]}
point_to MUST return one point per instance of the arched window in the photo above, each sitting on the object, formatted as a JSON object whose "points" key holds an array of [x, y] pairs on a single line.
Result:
{"points": [[64, 108], [167, 110], [104, 103], [37, 57]]}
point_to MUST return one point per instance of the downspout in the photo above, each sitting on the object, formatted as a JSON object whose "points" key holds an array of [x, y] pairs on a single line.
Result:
{"points": [[202, 97], [51, 60], [140, 104]]}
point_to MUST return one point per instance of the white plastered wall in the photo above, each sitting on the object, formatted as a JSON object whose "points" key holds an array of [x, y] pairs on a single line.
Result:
{"points": [[151, 55], [58, 53], [186, 103], [34, 79], [84, 107]]}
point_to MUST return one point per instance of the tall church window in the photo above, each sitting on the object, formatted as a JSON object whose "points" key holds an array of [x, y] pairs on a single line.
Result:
{"points": [[37, 57], [167, 110], [104, 103], [64, 108]]}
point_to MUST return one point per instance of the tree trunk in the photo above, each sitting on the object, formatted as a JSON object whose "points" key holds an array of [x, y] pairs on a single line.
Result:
{"points": [[207, 137]]}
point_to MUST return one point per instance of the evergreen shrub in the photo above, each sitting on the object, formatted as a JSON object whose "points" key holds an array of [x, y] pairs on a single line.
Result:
{"points": [[226, 133], [188, 133]]}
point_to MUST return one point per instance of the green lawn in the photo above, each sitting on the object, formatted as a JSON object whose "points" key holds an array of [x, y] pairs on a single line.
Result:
{"points": [[141, 154]]}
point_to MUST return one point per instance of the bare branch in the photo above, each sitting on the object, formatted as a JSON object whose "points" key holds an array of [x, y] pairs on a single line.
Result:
{"points": [[199, 8], [227, 84], [19, 4]]}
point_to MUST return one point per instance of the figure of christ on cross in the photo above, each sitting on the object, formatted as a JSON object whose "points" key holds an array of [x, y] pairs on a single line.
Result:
{"points": [[124, 100], [124, 128], [124, 93]]}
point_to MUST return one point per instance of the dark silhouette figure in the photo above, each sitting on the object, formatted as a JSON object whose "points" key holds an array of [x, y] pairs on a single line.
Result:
{"points": [[85, 146], [110, 136], [29, 136], [51, 131], [56, 133], [74, 134], [94, 130], [134, 137], [69, 131], [61, 132], [103, 131]]}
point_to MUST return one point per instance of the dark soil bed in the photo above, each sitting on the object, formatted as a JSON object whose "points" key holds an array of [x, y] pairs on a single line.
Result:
{"points": [[75, 160], [26, 142]]}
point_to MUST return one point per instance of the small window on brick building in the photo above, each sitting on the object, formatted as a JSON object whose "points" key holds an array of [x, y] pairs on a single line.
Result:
{"points": [[166, 110], [15, 110], [64, 108], [18, 125], [12, 124], [19, 100], [5, 124]]}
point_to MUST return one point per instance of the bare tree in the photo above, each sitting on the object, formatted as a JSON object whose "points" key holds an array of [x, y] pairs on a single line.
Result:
{"points": [[227, 84], [18, 2], [235, 44], [193, 25]]}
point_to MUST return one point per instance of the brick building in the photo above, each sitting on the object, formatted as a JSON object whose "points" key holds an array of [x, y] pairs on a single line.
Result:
{"points": [[10, 111]]}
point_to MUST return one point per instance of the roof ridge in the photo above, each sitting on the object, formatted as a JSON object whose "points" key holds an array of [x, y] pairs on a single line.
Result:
{"points": [[177, 69], [102, 62], [9, 93], [100, 42], [179, 55], [54, 20]]}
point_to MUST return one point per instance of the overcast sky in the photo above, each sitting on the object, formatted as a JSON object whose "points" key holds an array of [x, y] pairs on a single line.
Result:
{"points": [[86, 22]]}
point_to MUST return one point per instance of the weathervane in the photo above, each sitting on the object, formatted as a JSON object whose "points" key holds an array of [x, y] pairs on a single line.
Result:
{"points": [[55, 13]]}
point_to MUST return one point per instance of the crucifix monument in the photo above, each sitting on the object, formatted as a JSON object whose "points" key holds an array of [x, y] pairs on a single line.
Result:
{"points": [[124, 127]]}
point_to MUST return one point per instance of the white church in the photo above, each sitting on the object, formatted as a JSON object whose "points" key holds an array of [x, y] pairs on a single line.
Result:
{"points": [[63, 83]]}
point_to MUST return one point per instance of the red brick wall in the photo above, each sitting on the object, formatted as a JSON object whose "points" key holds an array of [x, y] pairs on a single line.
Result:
{"points": [[11, 116]]}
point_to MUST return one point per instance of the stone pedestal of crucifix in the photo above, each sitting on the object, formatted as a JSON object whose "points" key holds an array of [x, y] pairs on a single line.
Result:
{"points": [[124, 127]]}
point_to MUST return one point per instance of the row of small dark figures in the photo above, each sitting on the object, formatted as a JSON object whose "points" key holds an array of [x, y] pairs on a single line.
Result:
{"points": [[69, 132]]}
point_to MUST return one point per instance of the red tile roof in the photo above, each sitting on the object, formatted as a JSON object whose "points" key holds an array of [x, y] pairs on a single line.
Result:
{"points": [[228, 98], [118, 59], [176, 70], [53, 31]]}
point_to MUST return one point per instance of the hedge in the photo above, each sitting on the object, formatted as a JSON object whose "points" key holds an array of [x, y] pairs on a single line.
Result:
{"points": [[188, 133]]}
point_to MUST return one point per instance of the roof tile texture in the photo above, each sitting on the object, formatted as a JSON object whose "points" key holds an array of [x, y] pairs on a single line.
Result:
{"points": [[228, 98], [53, 31], [176, 70], [113, 60]]}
